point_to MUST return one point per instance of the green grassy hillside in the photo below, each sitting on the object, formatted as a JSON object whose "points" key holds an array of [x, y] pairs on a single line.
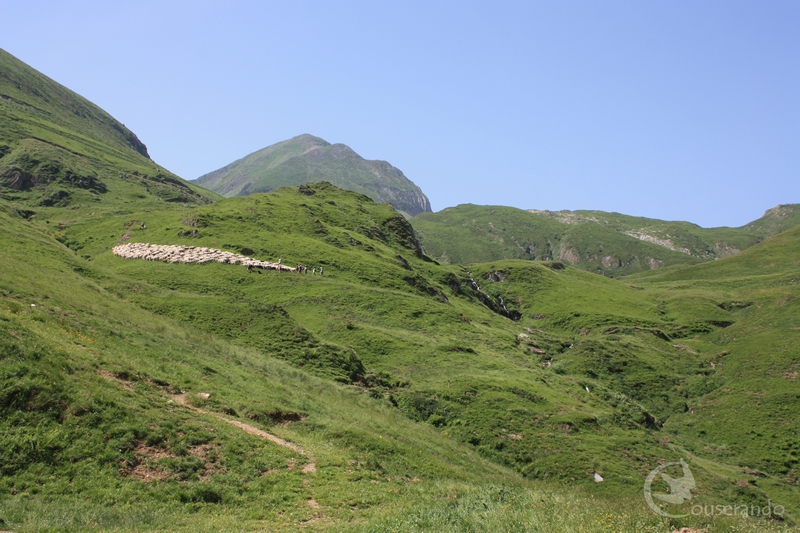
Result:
{"points": [[307, 159], [392, 393], [95, 435], [754, 409], [605, 243], [776, 220], [445, 387], [440, 345], [58, 149]]}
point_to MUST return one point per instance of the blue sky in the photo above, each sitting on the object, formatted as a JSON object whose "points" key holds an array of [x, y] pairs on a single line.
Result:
{"points": [[679, 110]]}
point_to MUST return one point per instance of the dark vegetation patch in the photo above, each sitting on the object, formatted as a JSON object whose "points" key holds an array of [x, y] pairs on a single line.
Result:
{"points": [[276, 417], [404, 262], [732, 306], [25, 213], [59, 198], [424, 286], [526, 395], [721, 323], [632, 330], [425, 407], [455, 348], [306, 190]]}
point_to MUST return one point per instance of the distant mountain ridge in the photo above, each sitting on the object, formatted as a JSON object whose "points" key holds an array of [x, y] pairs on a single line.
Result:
{"points": [[308, 159], [775, 220], [608, 243]]}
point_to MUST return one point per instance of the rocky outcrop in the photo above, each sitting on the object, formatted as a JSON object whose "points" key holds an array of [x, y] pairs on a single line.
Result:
{"points": [[190, 254], [609, 261], [654, 263], [666, 243], [723, 249], [412, 202], [20, 180], [569, 254], [131, 138]]}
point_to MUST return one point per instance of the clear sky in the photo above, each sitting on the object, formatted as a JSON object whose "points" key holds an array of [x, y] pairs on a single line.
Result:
{"points": [[679, 110]]}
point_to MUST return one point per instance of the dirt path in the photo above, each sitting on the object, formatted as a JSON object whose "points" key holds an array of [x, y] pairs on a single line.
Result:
{"points": [[309, 468]]}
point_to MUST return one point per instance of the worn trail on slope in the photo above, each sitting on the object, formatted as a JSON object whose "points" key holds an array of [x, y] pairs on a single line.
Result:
{"points": [[310, 467]]}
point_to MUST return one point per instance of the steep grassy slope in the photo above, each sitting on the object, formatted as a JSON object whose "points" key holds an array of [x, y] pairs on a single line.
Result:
{"points": [[106, 425], [776, 220], [607, 243], [58, 149], [754, 409], [306, 159], [92, 438], [87, 414], [391, 312], [701, 348], [439, 344]]}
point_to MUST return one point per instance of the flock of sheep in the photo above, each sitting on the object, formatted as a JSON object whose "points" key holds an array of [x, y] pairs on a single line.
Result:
{"points": [[190, 254]]}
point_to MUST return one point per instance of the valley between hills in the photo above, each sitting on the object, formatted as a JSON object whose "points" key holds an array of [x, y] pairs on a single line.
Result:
{"points": [[481, 368]]}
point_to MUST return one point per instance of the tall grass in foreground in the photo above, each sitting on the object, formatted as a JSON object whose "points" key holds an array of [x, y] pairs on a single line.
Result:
{"points": [[444, 508], [511, 509]]}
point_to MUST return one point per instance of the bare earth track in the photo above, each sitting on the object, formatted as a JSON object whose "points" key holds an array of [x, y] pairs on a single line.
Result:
{"points": [[310, 467]]}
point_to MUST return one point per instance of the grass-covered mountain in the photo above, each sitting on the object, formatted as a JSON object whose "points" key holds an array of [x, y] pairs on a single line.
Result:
{"points": [[103, 428], [608, 243], [550, 372], [308, 159], [59, 149], [392, 393], [776, 220]]}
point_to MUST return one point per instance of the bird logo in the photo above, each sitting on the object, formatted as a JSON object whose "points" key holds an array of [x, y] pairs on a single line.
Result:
{"points": [[680, 489]]}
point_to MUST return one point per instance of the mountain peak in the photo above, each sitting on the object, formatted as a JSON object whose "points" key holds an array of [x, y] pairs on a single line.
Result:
{"points": [[309, 159]]}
